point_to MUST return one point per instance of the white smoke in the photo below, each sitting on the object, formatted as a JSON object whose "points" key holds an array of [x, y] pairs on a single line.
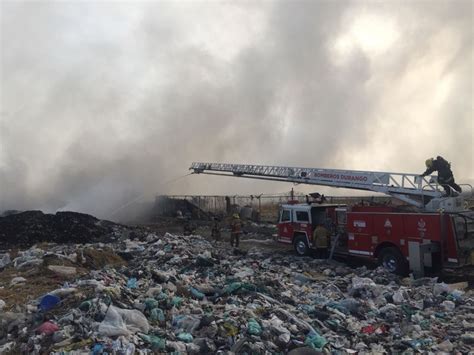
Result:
{"points": [[102, 102]]}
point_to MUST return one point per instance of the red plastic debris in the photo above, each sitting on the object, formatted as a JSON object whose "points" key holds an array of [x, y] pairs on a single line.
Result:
{"points": [[47, 328], [370, 329]]}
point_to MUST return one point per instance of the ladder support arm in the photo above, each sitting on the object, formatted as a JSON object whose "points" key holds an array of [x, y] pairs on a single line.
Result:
{"points": [[401, 185]]}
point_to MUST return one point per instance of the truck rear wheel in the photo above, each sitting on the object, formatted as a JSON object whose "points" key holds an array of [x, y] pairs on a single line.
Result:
{"points": [[301, 245], [393, 261]]}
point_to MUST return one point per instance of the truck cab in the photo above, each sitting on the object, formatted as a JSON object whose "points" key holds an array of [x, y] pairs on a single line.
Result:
{"points": [[297, 222]]}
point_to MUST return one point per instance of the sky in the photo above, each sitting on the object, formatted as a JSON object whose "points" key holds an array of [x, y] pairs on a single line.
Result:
{"points": [[106, 102]]}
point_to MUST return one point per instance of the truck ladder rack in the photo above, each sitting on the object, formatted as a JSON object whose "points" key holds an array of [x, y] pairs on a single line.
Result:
{"points": [[410, 188]]}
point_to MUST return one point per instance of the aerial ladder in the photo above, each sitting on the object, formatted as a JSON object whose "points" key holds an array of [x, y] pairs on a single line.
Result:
{"points": [[422, 192]]}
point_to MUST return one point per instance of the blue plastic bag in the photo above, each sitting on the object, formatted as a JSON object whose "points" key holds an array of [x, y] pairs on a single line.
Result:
{"points": [[48, 302], [132, 283]]}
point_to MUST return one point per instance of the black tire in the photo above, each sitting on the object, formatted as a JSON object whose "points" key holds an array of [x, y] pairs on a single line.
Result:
{"points": [[392, 259], [301, 245]]}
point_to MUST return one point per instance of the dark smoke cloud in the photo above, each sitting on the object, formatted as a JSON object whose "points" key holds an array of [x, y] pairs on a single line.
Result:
{"points": [[104, 102]]}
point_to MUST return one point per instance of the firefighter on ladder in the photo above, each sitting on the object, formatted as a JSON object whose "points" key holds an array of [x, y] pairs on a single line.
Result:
{"points": [[445, 175]]}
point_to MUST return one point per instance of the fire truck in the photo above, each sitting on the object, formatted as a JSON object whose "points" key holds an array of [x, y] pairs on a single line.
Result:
{"points": [[429, 230]]}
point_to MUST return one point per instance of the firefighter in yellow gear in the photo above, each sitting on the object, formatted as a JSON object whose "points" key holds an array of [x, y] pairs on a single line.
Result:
{"points": [[235, 230], [321, 241]]}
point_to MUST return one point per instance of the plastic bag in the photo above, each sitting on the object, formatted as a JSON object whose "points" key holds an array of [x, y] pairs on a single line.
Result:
{"points": [[344, 307], [113, 324], [448, 306], [176, 301], [85, 306], [196, 293], [47, 328], [156, 343], [231, 330], [156, 314], [186, 323], [362, 282], [253, 327], [455, 295], [186, 337], [134, 319], [440, 288], [119, 321], [5, 260], [315, 341], [17, 280], [132, 283], [48, 302], [151, 303], [233, 287], [398, 297]]}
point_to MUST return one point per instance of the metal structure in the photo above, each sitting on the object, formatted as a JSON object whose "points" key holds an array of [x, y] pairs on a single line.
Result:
{"points": [[422, 192], [267, 205], [439, 234]]}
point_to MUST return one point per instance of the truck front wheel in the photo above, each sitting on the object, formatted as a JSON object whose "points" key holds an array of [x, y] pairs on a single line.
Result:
{"points": [[301, 245], [393, 261]]}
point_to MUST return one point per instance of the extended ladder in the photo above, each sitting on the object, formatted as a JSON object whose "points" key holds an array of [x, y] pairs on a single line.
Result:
{"points": [[410, 188]]}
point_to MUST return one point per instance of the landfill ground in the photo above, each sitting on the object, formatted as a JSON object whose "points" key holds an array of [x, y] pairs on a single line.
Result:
{"points": [[104, 288]]}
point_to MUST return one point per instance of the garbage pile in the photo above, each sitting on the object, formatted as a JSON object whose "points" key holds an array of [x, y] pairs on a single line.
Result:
{"points": [[182, 294], [30, 227]]}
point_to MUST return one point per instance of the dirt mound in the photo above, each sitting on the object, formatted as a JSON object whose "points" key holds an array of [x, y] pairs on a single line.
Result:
{"points": [[30, 227]]}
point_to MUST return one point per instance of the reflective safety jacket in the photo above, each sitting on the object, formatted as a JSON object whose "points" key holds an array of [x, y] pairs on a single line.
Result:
{"points": [[321, 237]]}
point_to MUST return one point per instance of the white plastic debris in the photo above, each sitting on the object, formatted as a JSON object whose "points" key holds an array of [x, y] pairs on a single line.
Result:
{"points": [[448, 306], [17, 280], [4, 260], [124, 322], [63, 270]]}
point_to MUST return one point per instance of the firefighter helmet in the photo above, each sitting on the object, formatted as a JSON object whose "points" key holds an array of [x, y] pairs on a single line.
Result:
{"points": [[429, 162]]}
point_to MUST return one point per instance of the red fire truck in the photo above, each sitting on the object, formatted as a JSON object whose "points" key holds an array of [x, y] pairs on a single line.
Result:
{"points": [[431, 230]]}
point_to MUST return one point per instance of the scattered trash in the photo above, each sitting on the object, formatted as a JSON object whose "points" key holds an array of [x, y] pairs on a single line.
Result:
{"points": [[446, 346], [144, 293]]}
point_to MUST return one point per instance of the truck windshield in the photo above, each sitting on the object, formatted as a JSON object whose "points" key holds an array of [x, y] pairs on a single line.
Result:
{"points": [[285, 216], [302, 216], [318, 216]]}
